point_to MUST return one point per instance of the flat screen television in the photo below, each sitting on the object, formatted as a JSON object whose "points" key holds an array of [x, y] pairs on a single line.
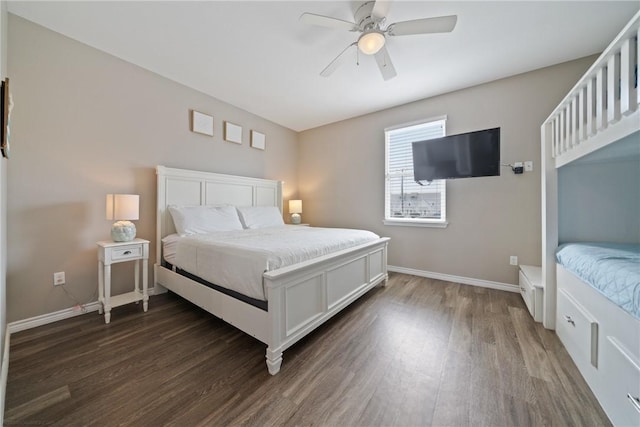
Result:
{"points": [[466, 155]]}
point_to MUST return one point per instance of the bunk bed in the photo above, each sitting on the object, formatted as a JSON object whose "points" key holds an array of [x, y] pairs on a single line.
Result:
{"points": [[593, 303], [299, 297]]}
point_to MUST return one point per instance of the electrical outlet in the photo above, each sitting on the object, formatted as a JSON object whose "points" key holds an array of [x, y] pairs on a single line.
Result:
{"points": [[58, 278], [513, 260], [528, 166]]}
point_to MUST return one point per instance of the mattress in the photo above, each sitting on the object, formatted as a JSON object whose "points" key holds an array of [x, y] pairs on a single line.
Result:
{"points": [[169, 247], [612, 269], [236, 260]]}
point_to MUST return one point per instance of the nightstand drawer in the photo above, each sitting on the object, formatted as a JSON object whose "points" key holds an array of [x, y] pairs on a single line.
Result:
{"points": [[126, 252]]}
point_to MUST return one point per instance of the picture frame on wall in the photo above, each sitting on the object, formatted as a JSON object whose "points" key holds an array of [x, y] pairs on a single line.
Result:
{"points": [[258, 140], [201, 123], [232, 132]]}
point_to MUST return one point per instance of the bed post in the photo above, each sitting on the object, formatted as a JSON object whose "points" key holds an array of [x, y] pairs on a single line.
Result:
{"points": [[160, 208], [549, 177], [384, 267], [275, 296]]}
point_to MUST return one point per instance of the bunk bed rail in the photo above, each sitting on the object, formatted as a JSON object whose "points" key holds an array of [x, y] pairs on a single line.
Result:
{"points": [[602, 108], [605, 98]]}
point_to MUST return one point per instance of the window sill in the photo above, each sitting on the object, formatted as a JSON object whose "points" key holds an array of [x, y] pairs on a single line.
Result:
{"points": [[415, 223]]}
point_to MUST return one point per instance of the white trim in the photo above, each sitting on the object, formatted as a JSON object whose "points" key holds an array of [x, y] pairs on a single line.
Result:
{"points": [[4, 375], [45, 319], [416, 223], [457, 279], [67, 313], [416, 122]]}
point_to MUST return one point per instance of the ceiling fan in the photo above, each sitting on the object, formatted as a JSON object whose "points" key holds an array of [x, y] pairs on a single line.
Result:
{"points": [[369, 22]]}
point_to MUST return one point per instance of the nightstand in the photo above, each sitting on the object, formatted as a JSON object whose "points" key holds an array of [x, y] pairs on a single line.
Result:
{"points": [[532, 289], [115, 252]]}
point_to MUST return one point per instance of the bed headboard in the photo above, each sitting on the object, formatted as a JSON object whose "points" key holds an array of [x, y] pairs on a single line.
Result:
{"points": [[188, 187]]}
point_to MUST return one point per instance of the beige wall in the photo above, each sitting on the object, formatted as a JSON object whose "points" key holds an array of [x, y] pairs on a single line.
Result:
{"points": [[86, 124], [342, 177]]}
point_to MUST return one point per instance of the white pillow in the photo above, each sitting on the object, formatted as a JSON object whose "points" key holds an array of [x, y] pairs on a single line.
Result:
{"points": [[204, 219], [260, 216]]}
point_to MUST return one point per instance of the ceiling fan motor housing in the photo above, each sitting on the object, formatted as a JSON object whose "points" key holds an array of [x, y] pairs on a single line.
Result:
{"points": [[364, 18]]}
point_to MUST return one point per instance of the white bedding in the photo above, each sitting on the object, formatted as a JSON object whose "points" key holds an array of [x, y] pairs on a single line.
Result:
{"points": [[169, 247], [237, 259]]}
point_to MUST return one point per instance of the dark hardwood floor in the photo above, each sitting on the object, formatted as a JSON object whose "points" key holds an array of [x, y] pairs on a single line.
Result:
{"points": [[418, 352]]}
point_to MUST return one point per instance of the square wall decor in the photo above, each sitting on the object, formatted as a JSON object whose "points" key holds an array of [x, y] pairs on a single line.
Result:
{"points": [[232, 133], [201, 123], [258, 140]]}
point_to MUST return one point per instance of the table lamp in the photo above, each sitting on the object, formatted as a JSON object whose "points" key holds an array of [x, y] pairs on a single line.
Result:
{"points": [[295, 209], [123, 208]]}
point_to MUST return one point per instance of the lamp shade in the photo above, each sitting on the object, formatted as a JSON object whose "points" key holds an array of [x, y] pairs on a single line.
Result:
{"points": [[123, 206], [371, 42], [295, 206]]}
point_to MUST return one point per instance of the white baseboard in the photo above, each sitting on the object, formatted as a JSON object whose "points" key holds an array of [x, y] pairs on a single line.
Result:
{"points": [[45, 319], [457, 279]]}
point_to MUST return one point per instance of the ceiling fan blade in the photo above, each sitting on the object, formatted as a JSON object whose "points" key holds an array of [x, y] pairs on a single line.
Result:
{"points": [[381, 9], [441, 24], [384, 64], [327, 21], [336, 62]]}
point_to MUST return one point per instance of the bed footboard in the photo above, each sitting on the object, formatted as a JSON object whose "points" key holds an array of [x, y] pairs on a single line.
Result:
{"points": [[302, 298]]}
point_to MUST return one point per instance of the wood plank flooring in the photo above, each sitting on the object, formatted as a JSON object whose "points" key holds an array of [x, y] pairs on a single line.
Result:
{"points": [[419, 352]]}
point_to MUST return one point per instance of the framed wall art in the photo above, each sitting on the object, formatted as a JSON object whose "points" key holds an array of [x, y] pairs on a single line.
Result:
{"points": [[258, 140], [232, 132], [201, 123]]}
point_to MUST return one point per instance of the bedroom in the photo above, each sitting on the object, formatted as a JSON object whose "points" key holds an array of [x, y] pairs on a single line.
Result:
{"points": [[143, 118]]}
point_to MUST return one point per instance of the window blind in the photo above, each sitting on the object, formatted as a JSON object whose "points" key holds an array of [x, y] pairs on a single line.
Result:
{"points": [[404, 198]]}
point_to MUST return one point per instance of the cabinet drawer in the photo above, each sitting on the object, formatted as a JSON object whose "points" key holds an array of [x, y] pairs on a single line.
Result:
{"points": [[126, 252], [621, 400], [577, 329], [527, 292]]}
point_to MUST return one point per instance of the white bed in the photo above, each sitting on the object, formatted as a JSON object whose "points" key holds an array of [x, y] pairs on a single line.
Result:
{"points": [[236, 259], [600, 117], [300, 296]]}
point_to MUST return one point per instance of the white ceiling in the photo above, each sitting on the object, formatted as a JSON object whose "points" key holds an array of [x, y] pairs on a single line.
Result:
{"points": [[259, 57]]}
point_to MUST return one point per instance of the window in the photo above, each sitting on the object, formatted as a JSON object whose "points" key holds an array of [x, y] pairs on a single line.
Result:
{"points": [[407, 202]]}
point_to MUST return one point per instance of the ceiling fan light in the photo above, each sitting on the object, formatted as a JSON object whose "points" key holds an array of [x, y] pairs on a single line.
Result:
{"points": [[371, 42]]}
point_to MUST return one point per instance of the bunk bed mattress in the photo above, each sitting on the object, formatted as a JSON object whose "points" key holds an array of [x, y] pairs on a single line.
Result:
{"points": [[612, 269], [236, 260]]}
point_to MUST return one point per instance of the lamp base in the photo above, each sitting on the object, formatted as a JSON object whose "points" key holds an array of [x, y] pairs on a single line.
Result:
{"points": [[123, 231], [295, 218]]}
